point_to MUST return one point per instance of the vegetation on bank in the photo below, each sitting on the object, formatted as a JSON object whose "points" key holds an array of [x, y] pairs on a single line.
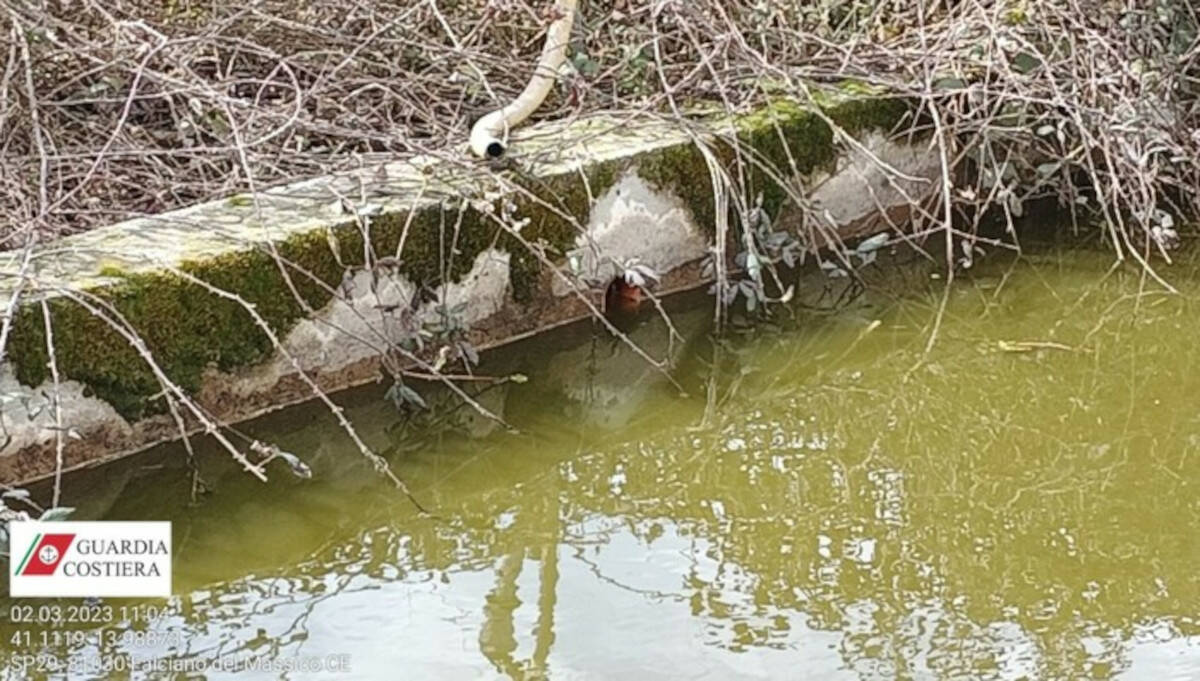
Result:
{"points": [[133, 107]]}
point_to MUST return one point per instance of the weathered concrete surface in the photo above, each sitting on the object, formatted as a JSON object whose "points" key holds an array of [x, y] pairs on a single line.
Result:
{"points": [[634, 224], [636, 207], [362, 325], [872, 187], [29, 415]]}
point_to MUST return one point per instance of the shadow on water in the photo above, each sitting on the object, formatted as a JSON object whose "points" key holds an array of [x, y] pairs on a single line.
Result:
{"points": [[1019, 503]]}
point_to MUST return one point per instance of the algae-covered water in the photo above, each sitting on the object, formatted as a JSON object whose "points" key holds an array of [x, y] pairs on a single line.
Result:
{"points": [[830, 500]]}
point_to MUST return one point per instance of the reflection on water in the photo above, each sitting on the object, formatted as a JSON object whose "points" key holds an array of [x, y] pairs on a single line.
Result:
{"points": [[1017, 504]]}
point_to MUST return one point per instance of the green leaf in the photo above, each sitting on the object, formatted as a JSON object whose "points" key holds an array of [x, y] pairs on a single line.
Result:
{"points": [[297, 466], [874, 243], [411, 396], [1025, 63], [949, 83], [57, 513]]}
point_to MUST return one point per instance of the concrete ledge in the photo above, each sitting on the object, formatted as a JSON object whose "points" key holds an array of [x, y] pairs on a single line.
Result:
{"points": [[333, 265]]}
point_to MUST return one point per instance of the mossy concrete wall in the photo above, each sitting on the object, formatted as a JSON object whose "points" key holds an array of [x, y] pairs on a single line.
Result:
{"points": [[333, 265]]}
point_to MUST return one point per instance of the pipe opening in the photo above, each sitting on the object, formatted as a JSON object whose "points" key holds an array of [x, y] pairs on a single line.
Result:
{"points": [[622, 299]]}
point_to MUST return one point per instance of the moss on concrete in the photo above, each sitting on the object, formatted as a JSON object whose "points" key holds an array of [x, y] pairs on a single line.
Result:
{"points": [[683, 171], [185, 327], [772, 141], [189, 329], [557, 209]]}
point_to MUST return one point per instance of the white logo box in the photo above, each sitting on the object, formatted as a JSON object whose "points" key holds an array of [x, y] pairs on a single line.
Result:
{"points": [[99, 558]]}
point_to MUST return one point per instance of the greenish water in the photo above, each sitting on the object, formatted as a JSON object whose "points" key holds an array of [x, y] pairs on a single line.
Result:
{"points": [[828, 502]]}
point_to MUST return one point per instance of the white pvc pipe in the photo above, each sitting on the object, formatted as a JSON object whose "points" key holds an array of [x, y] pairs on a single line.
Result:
{"points": [[489, 136]]}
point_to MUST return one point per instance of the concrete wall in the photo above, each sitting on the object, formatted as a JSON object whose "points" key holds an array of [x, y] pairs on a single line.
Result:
{"points": [[599, 193]]}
